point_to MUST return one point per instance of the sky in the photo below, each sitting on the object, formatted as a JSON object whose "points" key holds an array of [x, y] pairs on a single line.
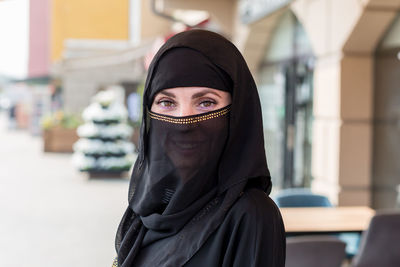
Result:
{"points": [[14, 35]]}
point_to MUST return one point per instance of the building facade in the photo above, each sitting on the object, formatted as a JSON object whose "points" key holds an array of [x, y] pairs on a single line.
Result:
{"points": [[97, 44], [39, 38], [327, 72]]}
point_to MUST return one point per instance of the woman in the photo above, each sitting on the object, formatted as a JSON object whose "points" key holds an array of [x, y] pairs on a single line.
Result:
{"points": [[198, 193]]}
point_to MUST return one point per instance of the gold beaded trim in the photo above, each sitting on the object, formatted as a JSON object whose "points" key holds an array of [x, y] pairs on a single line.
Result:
{"points": [[187, 120], [115, 262]]}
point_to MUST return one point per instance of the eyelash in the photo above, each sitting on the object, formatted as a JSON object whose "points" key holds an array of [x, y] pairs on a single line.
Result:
{"points": [[208, 101], [161, 102]]}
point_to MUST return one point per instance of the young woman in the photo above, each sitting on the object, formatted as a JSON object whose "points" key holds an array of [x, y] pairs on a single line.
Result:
{"points": [[199, 189]]}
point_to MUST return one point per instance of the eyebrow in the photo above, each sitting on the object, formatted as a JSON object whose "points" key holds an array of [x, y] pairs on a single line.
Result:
{"points": [[196, 95], [204, 92], [167, 94]]}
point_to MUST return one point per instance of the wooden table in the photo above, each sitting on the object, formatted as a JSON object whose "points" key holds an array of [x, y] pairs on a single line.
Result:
{"points": [[326, 219]]}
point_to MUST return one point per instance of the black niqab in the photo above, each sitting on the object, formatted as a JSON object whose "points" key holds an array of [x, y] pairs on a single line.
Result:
{"points": [[179, 196]]}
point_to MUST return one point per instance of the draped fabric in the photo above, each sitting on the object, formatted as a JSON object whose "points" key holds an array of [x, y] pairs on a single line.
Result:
{"points": [[185, 67], [192, 170]]}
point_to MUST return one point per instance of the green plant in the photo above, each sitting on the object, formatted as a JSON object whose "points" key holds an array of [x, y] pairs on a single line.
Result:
{"points": [[61, 119]]}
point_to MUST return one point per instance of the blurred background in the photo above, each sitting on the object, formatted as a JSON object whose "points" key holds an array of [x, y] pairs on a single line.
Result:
{"points": [[71, 81]]}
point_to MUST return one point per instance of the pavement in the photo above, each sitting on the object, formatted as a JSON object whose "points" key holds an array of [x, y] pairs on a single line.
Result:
{"points": [[51, 214]]}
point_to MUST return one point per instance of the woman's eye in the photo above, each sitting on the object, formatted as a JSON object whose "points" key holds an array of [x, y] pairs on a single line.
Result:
{"points": [[207, 103], [165, 103]]}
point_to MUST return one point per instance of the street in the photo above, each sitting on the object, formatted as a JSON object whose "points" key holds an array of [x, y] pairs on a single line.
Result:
{"points": [[50, 214]]}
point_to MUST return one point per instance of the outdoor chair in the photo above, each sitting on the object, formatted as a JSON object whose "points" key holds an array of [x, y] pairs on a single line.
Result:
{"points": [[314, 251], [304, 197], [300, 197], [380, 244]]}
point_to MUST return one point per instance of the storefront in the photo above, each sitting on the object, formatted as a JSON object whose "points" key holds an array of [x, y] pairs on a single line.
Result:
{"points": [[325, 100], [285, 79]]}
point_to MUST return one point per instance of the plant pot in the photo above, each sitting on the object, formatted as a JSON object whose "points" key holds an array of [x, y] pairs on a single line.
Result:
{"points": [[103, 174], [59, 140]]}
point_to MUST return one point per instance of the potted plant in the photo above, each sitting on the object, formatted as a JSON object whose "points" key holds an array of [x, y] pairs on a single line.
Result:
{"points": [[59, 131]]}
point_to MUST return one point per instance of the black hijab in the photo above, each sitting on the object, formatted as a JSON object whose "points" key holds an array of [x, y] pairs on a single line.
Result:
{"points": [[184, 197]]}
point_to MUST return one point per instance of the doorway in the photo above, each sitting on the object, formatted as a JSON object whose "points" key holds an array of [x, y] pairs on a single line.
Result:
{"points": [[286, 94]]}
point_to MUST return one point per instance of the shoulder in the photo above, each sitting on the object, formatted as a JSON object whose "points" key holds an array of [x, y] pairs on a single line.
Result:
{"points": [[257, 231], [255, 205]]}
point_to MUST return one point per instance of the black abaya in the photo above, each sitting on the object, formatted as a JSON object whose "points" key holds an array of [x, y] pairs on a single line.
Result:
{"points": [[208, 208], [251, 235]]}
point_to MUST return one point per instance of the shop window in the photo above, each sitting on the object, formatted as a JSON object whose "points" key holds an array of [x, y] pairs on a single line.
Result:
{"points": [[285, 88]]}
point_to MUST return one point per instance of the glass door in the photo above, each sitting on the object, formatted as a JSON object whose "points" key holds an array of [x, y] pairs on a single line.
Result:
{"points": [[285, 88], [298, 123]]}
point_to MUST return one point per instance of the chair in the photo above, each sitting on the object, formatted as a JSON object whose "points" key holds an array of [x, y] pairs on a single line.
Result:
{"points": [[304, 197], [380, 244], [300, 197], [314, 251]]}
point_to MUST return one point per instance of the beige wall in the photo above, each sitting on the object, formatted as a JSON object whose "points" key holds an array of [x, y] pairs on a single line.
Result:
{"points": [[254, 40], [344, 35], [343, 89], [152, 25], [221, 11]]}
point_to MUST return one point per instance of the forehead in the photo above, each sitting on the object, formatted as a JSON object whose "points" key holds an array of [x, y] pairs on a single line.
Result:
{"points": [[198, 91]]}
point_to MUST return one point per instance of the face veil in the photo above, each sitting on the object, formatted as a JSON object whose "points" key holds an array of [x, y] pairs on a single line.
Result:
{"points": [[183, 156], [190, 170]]}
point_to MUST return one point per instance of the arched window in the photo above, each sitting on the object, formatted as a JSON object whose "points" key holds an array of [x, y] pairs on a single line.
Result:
{"points": [[285, 88]]}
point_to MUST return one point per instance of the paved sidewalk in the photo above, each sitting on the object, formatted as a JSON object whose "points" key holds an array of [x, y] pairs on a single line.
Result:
{"points": [[50, 214]]}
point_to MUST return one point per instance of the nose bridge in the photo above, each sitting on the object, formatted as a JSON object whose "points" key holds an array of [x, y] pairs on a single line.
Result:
{"points": [[186, 109]]}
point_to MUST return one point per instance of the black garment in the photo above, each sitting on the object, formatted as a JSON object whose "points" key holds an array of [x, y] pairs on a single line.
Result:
{"points": [[180, 200], [186, 67], [250, 235]]}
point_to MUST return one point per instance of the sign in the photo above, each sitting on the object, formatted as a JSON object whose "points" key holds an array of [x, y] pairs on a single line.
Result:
{"points": [[252, 10]]}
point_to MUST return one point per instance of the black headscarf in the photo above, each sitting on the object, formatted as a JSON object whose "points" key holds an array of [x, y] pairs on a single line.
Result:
{"points": [[185, 197]]}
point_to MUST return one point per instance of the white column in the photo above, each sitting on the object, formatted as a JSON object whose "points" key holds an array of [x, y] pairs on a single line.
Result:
{"points": [[134, 21]]}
